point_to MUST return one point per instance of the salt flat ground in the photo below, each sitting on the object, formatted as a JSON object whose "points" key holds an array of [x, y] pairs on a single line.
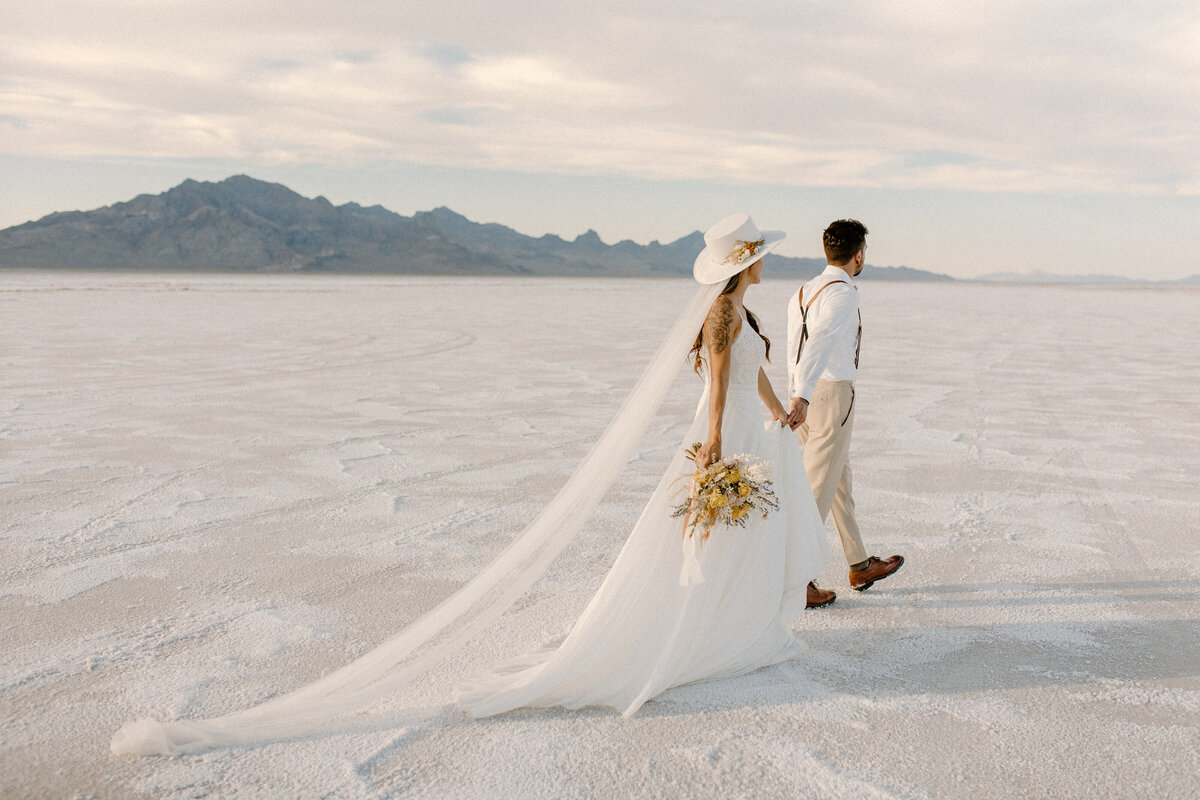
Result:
{"points": [[213, 489]]}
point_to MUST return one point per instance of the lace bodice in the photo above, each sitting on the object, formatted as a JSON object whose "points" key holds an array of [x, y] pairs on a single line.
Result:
{"points": [[747, 355]]}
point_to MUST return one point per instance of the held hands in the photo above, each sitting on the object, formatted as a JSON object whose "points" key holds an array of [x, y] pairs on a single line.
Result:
{"points": [[798, 413], [709, 452], [780, 415]]}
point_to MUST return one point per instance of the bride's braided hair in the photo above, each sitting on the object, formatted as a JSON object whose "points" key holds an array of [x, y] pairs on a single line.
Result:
{"points": [[697, 351]]}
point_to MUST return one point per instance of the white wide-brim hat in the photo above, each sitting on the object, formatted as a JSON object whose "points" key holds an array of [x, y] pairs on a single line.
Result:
{"points": [[730, 246]]}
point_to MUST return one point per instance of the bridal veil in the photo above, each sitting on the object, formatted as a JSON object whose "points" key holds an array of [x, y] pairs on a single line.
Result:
{"points": [[346, 697]]}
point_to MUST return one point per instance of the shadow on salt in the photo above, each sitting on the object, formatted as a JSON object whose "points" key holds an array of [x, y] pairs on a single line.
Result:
{"points": [[1041, 594]]}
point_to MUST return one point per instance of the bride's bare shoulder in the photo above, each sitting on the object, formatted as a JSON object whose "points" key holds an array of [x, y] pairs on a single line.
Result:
{"points": [[722, 324]]}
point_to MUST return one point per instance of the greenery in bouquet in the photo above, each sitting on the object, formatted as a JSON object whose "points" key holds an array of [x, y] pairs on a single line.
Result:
{"points": [[725, 493]]}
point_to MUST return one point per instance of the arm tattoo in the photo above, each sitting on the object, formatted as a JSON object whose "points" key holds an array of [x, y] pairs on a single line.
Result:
{"points": [[717, 326]]}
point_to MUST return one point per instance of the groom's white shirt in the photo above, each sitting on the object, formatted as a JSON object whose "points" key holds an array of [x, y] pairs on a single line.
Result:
{"points": [[832, 333]]}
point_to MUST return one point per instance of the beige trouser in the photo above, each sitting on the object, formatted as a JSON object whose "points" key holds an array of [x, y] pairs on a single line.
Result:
{"points": [[825, 435]]}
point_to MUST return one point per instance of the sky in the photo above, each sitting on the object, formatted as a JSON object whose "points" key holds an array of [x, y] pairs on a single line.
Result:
{"points": [[970, 137]]}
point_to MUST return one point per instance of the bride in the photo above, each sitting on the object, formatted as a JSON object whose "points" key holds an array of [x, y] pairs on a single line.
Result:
{"points": [[671, 610], [652, 625]]}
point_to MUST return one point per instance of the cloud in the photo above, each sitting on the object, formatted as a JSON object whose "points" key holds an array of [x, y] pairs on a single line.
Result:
{"points": [[1052, 96], [448, 55]]}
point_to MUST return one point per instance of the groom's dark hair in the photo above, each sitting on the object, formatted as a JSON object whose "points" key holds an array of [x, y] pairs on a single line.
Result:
{"points": [[843, 239]]}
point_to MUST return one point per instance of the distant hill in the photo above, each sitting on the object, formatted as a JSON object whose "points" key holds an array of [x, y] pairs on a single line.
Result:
{"points": [[1040, 276], [245, 225]]}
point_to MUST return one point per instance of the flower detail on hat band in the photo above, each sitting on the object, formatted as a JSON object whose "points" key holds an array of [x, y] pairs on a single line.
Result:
{"points": [[743, 251]]}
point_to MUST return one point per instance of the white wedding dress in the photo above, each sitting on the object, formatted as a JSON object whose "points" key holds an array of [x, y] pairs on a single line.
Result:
{"points": [[644, 632]]}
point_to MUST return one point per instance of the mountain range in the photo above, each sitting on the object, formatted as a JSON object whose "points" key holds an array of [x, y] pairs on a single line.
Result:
{"points": [[246, 225]]}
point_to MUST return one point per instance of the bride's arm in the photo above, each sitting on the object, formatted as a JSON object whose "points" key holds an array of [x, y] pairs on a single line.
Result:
{"points": [[720, 329], [766, 393]]}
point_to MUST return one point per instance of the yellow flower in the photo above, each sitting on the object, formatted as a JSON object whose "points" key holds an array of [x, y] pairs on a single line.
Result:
{"points": [[743, 489], [734, 476], [715, 499], [741, 511]]}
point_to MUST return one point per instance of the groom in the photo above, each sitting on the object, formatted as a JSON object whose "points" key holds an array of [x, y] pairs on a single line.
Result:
{"points": [[824, 334]]}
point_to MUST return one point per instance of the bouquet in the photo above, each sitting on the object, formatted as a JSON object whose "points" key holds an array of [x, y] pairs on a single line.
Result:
{"points": [[725, 492]]}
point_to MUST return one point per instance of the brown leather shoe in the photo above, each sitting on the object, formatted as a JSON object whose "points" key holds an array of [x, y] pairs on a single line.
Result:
{"points": [[876, 570], [819, 597]]}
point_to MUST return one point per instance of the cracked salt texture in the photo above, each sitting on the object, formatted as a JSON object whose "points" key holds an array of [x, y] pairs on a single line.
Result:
{"points": [[216, 488]]}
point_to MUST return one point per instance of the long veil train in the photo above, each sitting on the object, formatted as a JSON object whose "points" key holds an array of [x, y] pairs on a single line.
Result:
{"points": [[329, 703]]}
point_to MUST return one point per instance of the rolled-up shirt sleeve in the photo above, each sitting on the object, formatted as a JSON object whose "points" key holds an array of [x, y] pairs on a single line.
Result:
{"points": [[834, 324]]}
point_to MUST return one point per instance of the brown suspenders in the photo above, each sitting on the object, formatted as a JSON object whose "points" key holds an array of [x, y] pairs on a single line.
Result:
{"points": [[804, 307]]}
